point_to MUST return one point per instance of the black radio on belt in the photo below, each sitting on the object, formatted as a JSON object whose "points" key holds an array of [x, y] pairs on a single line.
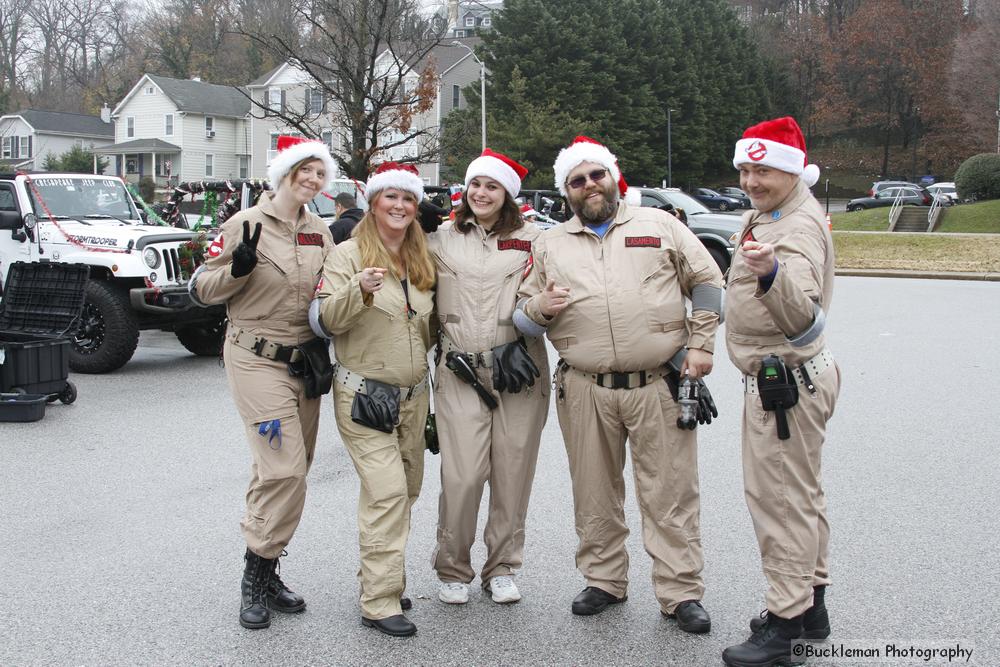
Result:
{"points": [[778, 391]]}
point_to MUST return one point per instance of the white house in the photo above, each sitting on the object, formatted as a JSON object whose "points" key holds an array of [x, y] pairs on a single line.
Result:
{"points": [[181, 130], [31, 135]]}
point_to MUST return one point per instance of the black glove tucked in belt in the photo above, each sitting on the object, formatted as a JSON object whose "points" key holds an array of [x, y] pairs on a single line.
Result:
{"points": [[513, 367]]}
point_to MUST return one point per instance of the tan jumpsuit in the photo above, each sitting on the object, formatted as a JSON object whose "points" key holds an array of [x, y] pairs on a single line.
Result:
{"points": [[272, 301], [479, 275], [626, 314], [377, 337], [783, 479]]}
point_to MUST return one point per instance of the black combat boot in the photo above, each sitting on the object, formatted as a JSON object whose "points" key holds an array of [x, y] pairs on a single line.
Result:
{"points": [[815, 621], [280, 597], [769, 645], [254, 613]]}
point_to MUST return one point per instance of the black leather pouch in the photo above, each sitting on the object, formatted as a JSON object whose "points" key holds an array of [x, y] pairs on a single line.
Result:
{"points": [[378, 408], [317, 367]]}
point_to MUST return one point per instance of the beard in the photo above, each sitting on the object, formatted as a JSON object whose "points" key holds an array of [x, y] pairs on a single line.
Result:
{"points": [[595, 212]]}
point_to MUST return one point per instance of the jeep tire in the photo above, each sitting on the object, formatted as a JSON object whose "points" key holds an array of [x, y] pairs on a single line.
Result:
{"points": [[108, 333], [720, 256], [203, 338]]}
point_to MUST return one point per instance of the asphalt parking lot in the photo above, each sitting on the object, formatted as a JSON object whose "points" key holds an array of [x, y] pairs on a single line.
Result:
{"points": [[120, 542]]}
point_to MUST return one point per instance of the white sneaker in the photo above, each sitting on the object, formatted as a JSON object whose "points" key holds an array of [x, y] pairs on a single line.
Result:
{"points": [[503, 590], [453, 592]]}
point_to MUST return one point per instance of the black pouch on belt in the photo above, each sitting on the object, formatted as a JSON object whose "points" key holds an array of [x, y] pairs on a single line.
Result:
{"points": [[378, 408], [778, 391], [317, 368]]}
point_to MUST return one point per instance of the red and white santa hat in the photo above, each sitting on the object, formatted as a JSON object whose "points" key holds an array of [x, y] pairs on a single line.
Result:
{"points": [[291, 151], [777, 143], [395, 175], [500, 168], [584, 149]]}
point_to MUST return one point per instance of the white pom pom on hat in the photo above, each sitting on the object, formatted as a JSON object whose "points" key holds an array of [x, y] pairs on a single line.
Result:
{"points": [[291, 151], [777, 143]]}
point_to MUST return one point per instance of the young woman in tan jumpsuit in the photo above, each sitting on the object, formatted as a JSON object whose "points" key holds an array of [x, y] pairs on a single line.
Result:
{"points": [[377, 301], [481, 261], [266, 270]]}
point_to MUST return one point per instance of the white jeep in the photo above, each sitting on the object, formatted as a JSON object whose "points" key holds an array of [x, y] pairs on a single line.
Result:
{"points": [[138, 271]]}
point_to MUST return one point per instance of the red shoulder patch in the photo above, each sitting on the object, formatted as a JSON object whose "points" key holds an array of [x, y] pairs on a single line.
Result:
{"points": [[748, 236], [514, 244], [310, 239], [642, 241]]}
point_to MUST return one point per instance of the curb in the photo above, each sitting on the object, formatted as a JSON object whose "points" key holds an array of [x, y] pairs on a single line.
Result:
{"points": [[927, 275]]}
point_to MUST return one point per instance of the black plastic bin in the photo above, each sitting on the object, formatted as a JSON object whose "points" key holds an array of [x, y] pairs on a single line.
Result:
{"points": [[41, 304], [22, 407]]}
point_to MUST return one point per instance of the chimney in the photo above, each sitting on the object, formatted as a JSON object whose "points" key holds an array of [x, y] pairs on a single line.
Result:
{"points": [[452, 15], [106, 113]]}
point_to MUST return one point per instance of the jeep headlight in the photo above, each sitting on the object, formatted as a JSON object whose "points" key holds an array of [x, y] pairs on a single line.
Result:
{"points": [[151, 257]]}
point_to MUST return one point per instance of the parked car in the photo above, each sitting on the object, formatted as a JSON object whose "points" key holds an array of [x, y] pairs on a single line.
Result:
{"points": [[713, 199], [736, 193], [715, 231], [944, 191], [878, 186], [910, 194]]}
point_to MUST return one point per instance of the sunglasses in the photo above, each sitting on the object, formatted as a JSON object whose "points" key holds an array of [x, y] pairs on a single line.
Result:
{"points": [[596, 176]]}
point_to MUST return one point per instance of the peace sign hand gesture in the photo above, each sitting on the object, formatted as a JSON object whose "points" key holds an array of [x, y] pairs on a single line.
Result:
{"points": [[245, 255]]}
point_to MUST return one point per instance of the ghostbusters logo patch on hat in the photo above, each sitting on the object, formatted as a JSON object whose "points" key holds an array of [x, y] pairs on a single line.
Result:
{"points": [[756, 151]]}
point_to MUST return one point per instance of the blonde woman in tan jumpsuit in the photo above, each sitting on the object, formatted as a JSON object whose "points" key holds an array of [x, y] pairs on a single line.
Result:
{"points": [[377, 301], [266, 270], [780, 287], [481, 261]]}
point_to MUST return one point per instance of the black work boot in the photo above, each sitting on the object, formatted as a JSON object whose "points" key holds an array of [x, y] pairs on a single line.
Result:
{"points": [[815, 620], [280, 597], [254, 613], [770, 644]]}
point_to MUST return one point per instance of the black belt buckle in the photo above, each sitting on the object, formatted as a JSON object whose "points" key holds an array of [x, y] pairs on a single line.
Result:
{"points": [[258, 347], [619, 381]]}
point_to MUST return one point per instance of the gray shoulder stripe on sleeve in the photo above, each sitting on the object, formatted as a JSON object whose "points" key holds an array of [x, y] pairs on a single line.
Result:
{"points": [[193, 287], [707, 297], [525, 324], [814, 330], [315, 321]]}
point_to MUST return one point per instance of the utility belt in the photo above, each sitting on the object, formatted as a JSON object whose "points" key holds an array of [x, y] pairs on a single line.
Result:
{"points": [[358, 384], [615, 380], [263, 347], [803, 375], [480, 359]]}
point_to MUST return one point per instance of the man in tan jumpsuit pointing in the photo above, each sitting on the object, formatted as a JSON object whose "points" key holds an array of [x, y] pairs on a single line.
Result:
{"points": [[609, 289], [780, 285]]}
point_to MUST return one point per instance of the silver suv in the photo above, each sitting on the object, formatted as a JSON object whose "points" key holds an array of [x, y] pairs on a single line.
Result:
{"points": [[715, 230]]}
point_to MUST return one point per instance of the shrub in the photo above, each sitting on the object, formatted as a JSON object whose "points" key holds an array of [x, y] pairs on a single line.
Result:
{"points": [[147, 189], [979, 177]]}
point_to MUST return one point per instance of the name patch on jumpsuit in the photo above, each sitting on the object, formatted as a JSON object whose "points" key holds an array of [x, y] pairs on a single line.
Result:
{"points": [[514, 244], [642, 241], [310, 239]]}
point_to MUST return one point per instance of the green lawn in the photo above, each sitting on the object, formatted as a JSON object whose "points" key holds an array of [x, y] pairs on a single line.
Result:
{"points": [[980, 218], [917, 252]]}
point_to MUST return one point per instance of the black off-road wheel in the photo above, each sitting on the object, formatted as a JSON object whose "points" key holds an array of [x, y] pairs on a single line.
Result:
{"points": [[204, 338], [108, 332], [721, 258]]}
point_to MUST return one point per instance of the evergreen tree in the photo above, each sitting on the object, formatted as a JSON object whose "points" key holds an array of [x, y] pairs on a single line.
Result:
{"points": [[75, 160]]}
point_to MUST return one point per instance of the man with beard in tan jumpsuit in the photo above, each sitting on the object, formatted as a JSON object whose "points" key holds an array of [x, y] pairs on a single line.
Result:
{"points": [[266, 279], [780, 286], [482, 259], [609, 288]]}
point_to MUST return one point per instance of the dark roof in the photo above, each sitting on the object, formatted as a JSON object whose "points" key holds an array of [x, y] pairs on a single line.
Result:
{"points": [[262, 79], [139, 146], [60, 122], [445, 54], [204, 98]]}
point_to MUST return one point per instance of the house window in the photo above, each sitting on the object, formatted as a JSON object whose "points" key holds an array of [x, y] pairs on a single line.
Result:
{"points": [[314, 101], [25, 146], [6, 148], [168, 124], [130, 127], [149, 90], [131, 165], [209, 126], [456, 93], [244, 166], [162, 165], [327, 137], [487, 22], [209, 165], [459, 33], [470, 21], [274, 99]]}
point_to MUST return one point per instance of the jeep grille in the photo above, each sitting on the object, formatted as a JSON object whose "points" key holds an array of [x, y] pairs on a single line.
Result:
{"points": [[172, 264]]}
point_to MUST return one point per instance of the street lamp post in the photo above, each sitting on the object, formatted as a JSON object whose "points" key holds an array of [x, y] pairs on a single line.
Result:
{"points": [[670, 152], [998, 123], [482, 85]]}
